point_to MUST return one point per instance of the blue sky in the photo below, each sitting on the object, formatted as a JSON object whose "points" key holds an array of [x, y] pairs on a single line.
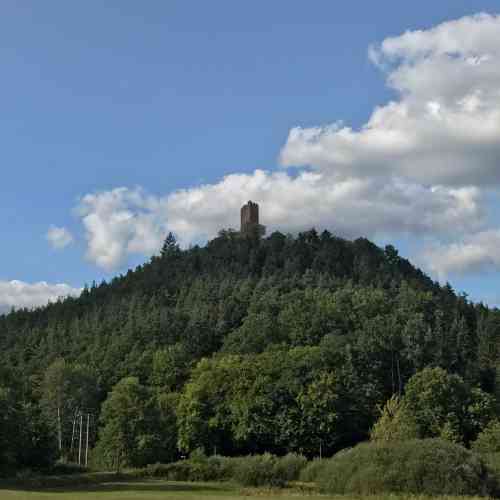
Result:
{"points": [[109, 109]]}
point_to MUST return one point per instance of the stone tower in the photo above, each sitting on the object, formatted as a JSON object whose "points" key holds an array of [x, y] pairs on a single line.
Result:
{"points": [[250, 220]]}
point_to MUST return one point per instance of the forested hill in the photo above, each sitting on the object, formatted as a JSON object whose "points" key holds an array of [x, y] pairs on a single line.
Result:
{"points": [[280, 321], [205, 298]]}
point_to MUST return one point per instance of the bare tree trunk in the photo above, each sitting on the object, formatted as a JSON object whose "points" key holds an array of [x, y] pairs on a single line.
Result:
{"points": [[392, 372], [80, 444], [73, 437], [400, 384], [87, 444], [59, 429]]}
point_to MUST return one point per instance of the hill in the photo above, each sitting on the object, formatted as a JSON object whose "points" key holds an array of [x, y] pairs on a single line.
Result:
{"points": [[252, 343]]}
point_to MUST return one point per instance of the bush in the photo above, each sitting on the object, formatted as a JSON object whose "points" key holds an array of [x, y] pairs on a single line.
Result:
{"points": [[312, 470], [177, 471], [260, 470], [488, 441], [493, 462], [66, 468], [290, 466], [427, 466], [194, 469]]}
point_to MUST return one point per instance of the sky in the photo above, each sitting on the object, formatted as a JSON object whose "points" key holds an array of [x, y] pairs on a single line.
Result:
{"points": [[123, 120]]}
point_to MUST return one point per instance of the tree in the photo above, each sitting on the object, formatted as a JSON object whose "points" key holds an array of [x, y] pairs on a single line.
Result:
{"points": [[438, 402], [25, 438], [9, 428], [204, 419], [167, 424], [323, 414], [35, 444], [129, 435], [481, 410], [170, 368], [170, 247], [396, 423], [66, 390]]}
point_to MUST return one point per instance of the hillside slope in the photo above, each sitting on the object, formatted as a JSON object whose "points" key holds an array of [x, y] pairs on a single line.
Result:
{"points": [[280, 315]]}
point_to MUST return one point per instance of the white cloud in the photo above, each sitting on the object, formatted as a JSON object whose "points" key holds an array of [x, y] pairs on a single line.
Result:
{"points": [[445, 126], [351, 207], [419, 166], [123, 221], [59, 237], [19, 294], [120, 222], [476, 253]]}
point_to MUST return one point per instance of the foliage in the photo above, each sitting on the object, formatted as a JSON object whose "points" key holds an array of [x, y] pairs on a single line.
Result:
{"points": [[396, 422], [437, 401], [430, 466], [25, 438], [66, 390], [66, 469], [266, 470], [285, 344], [481, 411], [253, 470], [200, 468], [8, 429], [492, 460], [488, 440], [131, 426], [312, 470], [443, 405], [290, 466]]}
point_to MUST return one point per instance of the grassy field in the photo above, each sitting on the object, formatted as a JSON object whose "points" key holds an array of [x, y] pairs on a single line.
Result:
{"points": [[155, 489], [148, 490]]}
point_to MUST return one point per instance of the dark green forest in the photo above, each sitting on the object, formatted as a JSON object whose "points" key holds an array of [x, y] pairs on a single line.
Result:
{"points": [[244, 346]]}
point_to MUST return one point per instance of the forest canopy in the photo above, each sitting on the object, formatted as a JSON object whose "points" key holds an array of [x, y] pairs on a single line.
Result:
{"points": [[248, 345]]}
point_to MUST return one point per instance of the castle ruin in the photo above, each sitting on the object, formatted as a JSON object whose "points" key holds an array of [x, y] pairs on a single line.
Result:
{"points": [[250, 220]]}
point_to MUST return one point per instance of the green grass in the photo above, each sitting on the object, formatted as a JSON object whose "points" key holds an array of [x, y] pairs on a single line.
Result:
{"points": [[99, 488], [148, 490]]}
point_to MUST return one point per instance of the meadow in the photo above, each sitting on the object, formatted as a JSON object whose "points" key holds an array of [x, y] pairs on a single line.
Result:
{"points": [[155, 489]]}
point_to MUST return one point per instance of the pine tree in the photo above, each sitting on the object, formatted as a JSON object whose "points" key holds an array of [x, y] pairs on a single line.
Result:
{"points": [[170, 246]]}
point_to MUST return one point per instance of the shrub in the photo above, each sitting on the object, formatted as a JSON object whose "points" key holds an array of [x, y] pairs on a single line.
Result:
{"points": [[428, 466], [259, 470], [488, 441], [290, 466], [194, 469], [211, 469], [312, 470], [66, 468], [177, 471], [493, 462]]}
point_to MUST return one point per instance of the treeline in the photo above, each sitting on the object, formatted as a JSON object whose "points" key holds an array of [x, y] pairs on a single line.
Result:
{"points": [[285, 344]]}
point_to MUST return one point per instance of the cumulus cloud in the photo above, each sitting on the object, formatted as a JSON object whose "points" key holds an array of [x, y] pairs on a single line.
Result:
{"points": [[59, 237], [126, 221], [476, 253], [444, 126], [120, 222], [351, 207], [419, 166], [19, 294]]}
